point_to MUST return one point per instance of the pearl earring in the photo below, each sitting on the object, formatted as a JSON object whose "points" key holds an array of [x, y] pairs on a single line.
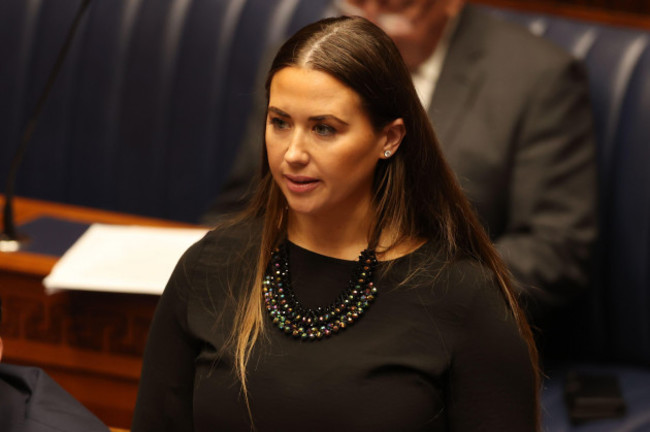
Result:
{"points": [[387, 153]]}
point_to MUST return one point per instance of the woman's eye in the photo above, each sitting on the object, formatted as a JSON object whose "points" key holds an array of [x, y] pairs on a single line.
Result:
{"points": [[278, 123], [324, 130]]}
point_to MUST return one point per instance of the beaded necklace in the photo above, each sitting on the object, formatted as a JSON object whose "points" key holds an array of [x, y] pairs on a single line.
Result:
{"points": [[303, 323]]}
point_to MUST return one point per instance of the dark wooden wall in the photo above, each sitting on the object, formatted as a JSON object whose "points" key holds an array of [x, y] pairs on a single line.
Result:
{"points": [[629, 6], [625, 13]]}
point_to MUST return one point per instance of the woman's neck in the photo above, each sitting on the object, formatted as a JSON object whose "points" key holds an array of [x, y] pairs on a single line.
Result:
{"points": [[343, 239]]}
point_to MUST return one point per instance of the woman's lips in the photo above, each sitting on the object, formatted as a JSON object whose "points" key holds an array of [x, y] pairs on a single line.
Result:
{"points": [[301, 184]]}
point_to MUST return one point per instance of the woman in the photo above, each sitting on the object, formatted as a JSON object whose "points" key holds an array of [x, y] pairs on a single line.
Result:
{"points": [[359, 291]]}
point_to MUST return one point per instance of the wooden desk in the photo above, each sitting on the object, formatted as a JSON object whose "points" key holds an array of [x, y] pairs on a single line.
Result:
{"points": [[91, 343]]}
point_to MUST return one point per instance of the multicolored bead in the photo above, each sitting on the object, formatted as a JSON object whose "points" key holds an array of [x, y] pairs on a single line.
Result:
{"points": [[301, 323]]}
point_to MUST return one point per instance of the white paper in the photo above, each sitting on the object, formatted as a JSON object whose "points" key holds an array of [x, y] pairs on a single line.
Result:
{"points": [[122, 258]]}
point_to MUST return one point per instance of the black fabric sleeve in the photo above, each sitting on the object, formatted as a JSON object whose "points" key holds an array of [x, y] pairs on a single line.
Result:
{"points": [[491, 380], [165, 392]]}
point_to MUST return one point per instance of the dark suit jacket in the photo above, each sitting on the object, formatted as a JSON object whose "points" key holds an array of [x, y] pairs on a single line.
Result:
{"points": [[514, 120], [30, 401], [513, 116]]}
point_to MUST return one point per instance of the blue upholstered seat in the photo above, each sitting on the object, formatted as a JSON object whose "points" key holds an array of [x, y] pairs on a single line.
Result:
{"points": [[612, 325], [150, 104]]}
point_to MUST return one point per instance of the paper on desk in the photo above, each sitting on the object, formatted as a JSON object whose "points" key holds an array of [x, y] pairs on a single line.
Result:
{"points": [[121, 258]]}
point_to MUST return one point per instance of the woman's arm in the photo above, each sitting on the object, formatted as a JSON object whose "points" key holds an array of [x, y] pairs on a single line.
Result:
{"points": [[167, 381], [491, 380]]}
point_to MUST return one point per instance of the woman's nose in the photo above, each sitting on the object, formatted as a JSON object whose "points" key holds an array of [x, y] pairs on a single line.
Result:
{"points": [[297, 151]]}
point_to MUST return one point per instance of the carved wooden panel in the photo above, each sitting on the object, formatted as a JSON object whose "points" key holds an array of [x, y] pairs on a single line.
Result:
{"points": [[100, 322], [91, 343]]}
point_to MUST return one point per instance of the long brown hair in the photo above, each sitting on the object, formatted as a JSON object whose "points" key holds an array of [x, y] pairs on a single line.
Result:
{"points": [[415, 192]]}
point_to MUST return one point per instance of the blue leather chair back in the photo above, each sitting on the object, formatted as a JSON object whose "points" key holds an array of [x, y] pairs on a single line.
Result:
{"points": [[151, 102], [618, 63]]}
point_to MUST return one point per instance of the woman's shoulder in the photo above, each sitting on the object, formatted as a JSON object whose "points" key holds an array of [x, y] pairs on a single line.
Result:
{"points": [[224, 243], [470, 275], [458, 286], [434, 268], [224, 252]]}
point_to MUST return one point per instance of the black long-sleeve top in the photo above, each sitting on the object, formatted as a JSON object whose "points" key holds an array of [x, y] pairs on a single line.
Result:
{"points": [[439, 352]]}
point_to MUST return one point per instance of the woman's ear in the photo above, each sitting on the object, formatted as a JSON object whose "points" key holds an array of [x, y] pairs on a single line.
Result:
{"points": [[394, 133]]}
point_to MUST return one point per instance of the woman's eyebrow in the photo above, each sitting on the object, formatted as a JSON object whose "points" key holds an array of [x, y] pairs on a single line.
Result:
{"points": [[278, 112], [316, 118], [327, 117]]}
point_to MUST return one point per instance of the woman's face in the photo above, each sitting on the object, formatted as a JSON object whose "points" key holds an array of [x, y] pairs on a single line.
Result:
{"points": [[322, 148]]}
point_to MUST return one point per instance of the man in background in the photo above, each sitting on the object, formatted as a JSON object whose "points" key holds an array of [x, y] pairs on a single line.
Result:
{"points": [[30, 401], [513, 117]]}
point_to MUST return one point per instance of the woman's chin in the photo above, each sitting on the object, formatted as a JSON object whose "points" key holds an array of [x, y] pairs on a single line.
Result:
{"points": [[303, 209]]}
